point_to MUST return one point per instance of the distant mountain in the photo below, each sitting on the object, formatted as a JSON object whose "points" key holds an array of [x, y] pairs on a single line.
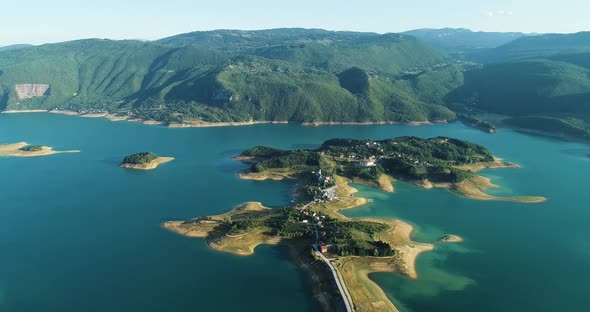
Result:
{"points": [[247, 40], [230, 75], [463, 40], [14, 47], [538, 45], [334, 51]]}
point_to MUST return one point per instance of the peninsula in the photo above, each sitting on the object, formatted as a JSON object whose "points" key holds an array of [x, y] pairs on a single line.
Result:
{"points": [[24, 149], [477, 123], [329, 245], [144, 161]]}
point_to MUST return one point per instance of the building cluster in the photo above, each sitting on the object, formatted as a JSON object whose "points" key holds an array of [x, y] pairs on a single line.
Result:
{"points": [[322, 178], [311, 217], [411, 159], [317, 219]]}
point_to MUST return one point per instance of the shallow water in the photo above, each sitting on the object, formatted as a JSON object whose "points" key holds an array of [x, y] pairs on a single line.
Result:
{"points": [[78, 233]]}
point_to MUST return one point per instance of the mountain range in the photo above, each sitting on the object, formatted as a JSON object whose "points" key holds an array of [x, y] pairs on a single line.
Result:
{"points": [[542, 81]]}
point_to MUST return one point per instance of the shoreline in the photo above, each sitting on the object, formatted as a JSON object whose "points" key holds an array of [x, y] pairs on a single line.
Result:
{"points": [[495, 164], [109, 116], [223, 124], [24, 111], [115, 117], [549, 134], [205, 124], [474, 187], [246, 174], [370, 123]]}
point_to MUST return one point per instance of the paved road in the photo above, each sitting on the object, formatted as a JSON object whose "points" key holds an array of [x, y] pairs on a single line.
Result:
{"points": [[341, 287]]}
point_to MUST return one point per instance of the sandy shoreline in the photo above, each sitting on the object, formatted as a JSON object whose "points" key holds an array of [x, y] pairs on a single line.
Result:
{"points": [[14, 150], [204, 124], [261, 176], [474, 188], [109, 116], [496, 164], [371, 123], [149, 166], [23, 111], [401, 238], [247, 159]]}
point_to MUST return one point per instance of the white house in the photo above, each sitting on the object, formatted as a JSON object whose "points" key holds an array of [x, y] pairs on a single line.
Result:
{"points": [[366, 163]]}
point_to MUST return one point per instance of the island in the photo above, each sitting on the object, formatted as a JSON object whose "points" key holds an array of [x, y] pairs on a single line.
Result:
{"points": [[24, 149], [144, 161], [340, 252], [450, 238]]}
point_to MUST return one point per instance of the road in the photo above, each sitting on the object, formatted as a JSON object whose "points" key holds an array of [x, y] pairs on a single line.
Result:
{"points": [[341, 287]]}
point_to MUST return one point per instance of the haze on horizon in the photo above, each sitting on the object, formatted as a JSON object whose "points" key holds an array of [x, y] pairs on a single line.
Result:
{"points": [[38, 22]]}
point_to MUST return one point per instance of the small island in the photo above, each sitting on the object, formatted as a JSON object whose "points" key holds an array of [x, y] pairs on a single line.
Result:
{"points": [[24, 149], [450, 238], [144, 161], [340, 252]]}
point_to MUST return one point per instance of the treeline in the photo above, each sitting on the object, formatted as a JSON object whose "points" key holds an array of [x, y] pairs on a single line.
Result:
{"points": [[434, 172], [349, 238], [139, 158], [366, 173], [32, 148], [179, 111], [292, 159], [264, 152], [452, 151], [283, 221]]}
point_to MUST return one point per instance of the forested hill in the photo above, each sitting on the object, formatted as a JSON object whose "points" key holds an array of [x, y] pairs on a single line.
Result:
{"points": [[227, 75], [318, 48], [549, 94], [463, 40], [14, 47], [536, 46]]}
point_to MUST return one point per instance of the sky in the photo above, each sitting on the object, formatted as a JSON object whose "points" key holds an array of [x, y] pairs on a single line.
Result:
{"points": [[45, 21]]}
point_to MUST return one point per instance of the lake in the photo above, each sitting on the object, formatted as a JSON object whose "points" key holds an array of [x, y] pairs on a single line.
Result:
{"points": [[78, 233]]}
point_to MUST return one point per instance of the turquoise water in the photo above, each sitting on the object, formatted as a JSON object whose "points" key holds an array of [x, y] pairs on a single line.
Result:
{"points": [[78, 233]]}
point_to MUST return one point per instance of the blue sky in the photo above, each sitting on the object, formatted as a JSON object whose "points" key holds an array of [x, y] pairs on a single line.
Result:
{"points": [[42, 21]]}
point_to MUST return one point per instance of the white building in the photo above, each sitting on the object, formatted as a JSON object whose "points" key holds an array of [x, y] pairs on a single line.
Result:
{"points": [[366, 163]]}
